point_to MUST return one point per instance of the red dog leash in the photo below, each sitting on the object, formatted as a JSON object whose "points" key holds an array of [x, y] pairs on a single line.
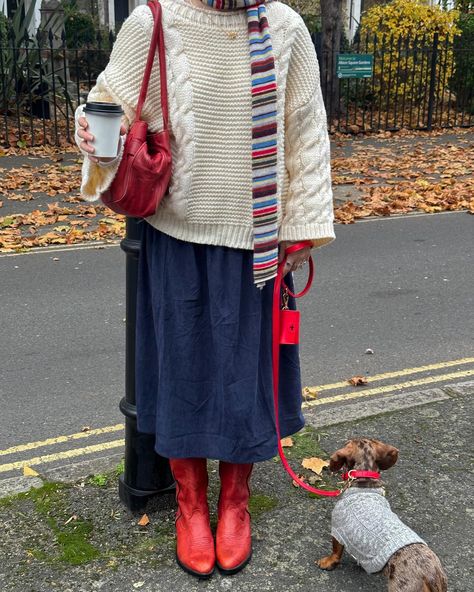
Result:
{"points": [[287, 332]]}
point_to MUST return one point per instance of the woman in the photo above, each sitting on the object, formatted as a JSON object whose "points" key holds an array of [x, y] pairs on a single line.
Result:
{"points": [[250, 174]]}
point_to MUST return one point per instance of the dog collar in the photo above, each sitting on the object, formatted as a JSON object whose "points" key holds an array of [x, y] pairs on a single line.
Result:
{"points": [[360, 475]]}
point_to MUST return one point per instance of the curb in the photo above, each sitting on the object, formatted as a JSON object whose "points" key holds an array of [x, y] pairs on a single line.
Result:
{"points": [[386, 404]]}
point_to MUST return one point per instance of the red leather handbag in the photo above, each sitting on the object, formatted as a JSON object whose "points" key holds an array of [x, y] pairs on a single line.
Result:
{"points": [[144, 172]]}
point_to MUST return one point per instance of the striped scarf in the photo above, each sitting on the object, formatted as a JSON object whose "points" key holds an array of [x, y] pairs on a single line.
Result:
{"points": [[264, 136]]}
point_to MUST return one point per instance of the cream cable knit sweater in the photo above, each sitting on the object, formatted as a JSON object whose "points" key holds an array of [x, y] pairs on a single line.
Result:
{"points": [[209, 98]]}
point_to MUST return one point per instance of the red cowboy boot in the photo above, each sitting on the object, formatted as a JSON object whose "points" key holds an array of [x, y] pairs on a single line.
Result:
{"points": [[194, 542], [233, 536]]}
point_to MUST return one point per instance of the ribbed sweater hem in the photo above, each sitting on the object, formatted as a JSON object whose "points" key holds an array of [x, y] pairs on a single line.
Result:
{"points": [[225, 235], [234, 236], [321, 233]]}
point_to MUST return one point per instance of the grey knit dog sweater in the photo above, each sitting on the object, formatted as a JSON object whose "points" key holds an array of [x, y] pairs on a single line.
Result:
{"points": [[363, 522]]}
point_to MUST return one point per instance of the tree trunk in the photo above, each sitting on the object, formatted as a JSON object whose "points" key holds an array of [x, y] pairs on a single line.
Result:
{"points": [[331, 28]]}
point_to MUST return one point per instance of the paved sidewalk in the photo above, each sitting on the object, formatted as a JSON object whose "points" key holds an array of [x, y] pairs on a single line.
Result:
{"points": [[400, 163], [47, 534]]}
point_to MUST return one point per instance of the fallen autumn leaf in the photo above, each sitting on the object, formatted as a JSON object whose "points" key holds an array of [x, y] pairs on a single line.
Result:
{"points": [[315, 464], [310, 392], [144, 520], [301, 477], [29, 472], [357, 380]]}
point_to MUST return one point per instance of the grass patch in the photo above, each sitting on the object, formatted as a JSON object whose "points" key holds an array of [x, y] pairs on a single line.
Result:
{"points": [[64, 537], [108, 478], [46, 498], [259, 504], [7, 501], [72, 545], [35, 494], [164, 531], [71, 535], [39, 555], [120, 468], [306, 444], [155, 546], [99, 480], [162, 539], [42, 497]]}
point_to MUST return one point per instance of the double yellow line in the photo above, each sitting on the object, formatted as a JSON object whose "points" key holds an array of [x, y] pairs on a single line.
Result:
{"points": [[115, 444], [67, 454], [394, 387]]}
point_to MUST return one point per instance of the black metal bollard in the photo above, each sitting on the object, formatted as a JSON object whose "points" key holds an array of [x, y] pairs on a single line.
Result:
{"points": [[146, 474]]}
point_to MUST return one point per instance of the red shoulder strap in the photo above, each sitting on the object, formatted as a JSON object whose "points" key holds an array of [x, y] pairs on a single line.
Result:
{"points": [[157, 42]]}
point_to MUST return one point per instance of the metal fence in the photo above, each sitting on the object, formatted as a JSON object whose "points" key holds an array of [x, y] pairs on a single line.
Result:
{"points": [[41, 83], [417, 83]]}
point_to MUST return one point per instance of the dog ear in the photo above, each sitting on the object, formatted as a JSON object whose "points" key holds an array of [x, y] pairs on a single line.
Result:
{"points": [[339, 459], [387, 456], [336, 462]]}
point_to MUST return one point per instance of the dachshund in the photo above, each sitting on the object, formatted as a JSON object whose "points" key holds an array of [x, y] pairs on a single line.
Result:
{"points": [[363, 523]]}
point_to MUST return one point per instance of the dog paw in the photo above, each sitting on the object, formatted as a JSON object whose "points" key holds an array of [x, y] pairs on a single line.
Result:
{"points": [[327, 563]]}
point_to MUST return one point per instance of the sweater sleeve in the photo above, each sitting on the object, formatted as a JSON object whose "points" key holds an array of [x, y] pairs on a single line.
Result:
{"points": [[97, 177], [308, 207], [120, 83]]}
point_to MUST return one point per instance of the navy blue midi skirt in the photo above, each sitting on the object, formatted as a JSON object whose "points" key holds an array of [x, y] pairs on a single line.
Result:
{"points": [[203, 354]]}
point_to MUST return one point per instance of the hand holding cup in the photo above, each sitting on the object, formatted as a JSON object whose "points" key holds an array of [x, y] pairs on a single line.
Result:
{"points": [[90, 140]]}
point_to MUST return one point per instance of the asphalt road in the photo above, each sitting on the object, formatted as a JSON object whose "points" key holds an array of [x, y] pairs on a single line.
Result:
{"points": [[400, 286]]}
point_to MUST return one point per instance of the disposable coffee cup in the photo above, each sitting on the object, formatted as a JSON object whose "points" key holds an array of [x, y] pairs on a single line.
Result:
{"points": [[104, 121]]}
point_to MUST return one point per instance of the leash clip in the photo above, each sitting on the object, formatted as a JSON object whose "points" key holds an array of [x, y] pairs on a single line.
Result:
{"points": [[286, 298]]}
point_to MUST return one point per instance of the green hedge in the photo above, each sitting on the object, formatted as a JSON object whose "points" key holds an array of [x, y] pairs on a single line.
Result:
{"points": [[462, 81], [80, 29], [3, 30]]}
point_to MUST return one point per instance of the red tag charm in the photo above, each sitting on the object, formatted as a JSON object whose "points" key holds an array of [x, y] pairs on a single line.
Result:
{"points": [[289, 327], [289, 323]]}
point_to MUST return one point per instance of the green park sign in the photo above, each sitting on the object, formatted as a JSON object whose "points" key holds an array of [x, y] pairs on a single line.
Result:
{"points": [[355, 65]]}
